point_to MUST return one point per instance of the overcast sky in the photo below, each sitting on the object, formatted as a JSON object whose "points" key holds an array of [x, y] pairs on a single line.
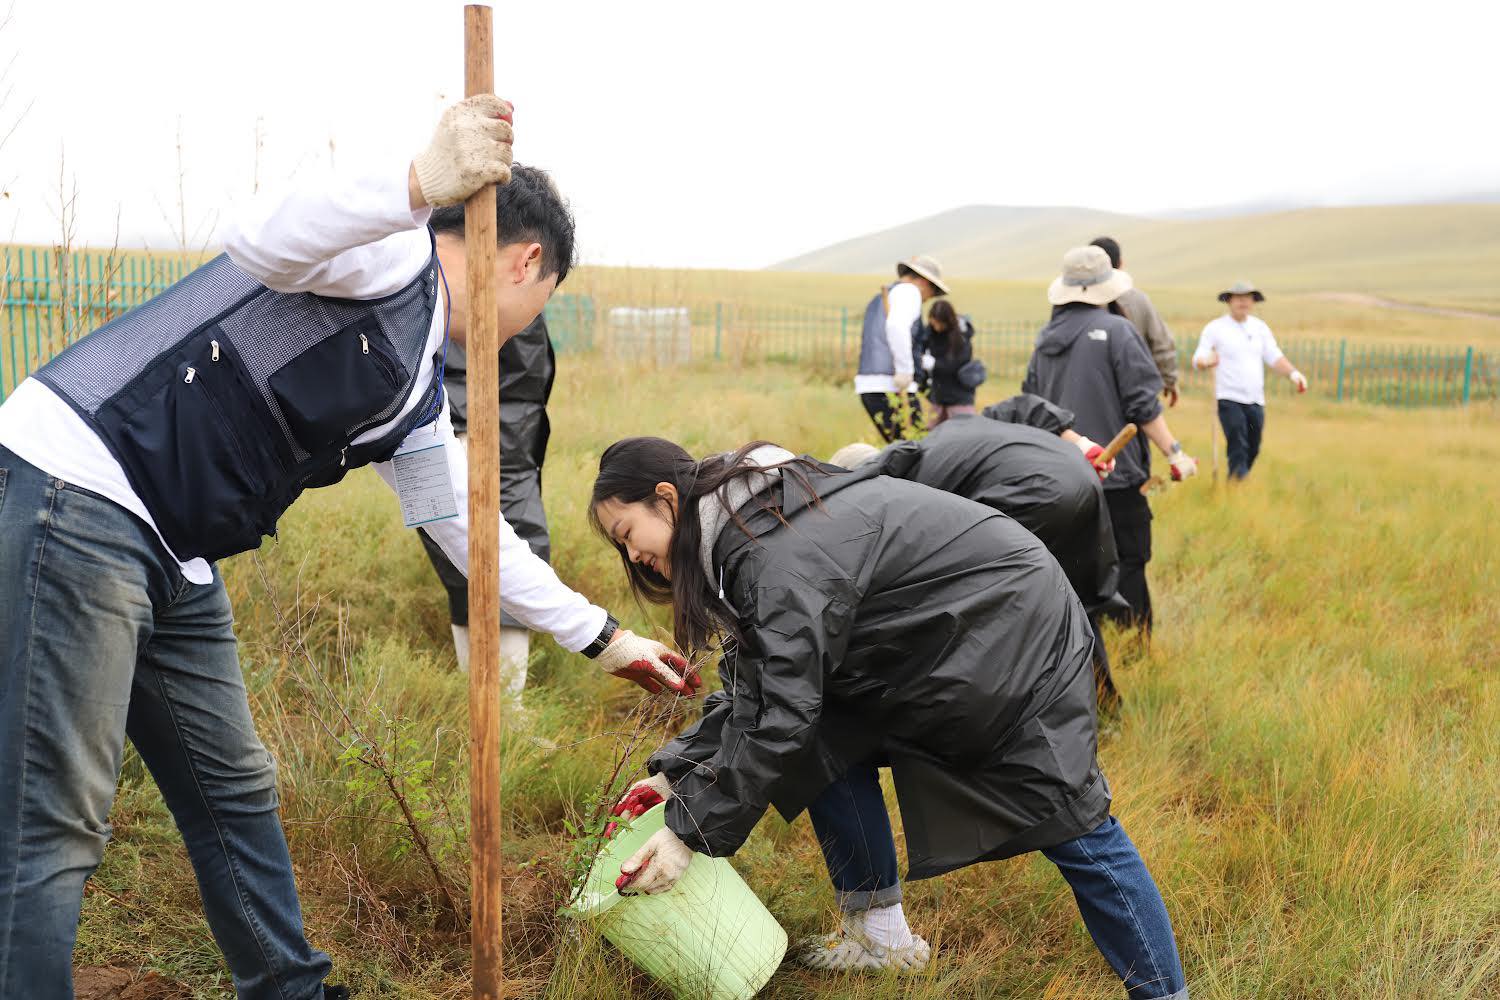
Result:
{"points": [[734, 135]]}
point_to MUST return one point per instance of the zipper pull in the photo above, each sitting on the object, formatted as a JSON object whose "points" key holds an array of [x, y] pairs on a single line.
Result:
{"points": [[343, 454], [215, 344], [721, 583], [188, 379], [364, 343]]}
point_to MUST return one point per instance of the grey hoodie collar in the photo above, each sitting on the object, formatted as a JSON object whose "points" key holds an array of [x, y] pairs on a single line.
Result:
{"points": [[713, 512]]}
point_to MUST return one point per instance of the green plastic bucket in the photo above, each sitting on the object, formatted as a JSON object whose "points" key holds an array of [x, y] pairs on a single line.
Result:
{"points": [[708, 938]]}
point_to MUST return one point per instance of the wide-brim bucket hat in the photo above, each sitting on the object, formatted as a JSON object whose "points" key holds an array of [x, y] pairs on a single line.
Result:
{"points": [[925, 267], [1088, 277], [1242, 288]]}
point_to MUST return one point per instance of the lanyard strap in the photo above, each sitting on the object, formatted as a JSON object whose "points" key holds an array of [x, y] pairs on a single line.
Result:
{"points": [[437, 399]]}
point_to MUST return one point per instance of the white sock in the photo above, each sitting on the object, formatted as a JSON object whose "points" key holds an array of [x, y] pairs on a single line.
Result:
{"points": [[886, 926], [461, 646]]}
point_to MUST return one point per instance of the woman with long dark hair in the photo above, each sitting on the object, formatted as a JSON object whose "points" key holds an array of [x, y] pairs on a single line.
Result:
{"points": [[867, 622], [944, 346]]}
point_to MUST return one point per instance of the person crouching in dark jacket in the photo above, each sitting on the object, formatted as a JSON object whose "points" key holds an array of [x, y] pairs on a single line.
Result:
{"points": [[941, 347], [868, 622], [1033, 476], [1090, 360]]}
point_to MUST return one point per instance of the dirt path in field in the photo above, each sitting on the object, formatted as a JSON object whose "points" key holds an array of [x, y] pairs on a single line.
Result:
{"points": [[1375, 301]]}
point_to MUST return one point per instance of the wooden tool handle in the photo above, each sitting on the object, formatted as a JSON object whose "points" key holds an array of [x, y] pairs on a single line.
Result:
{"points": [[480, 250], [1126, 435]]}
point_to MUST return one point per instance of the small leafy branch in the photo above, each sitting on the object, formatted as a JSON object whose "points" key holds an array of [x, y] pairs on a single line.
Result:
{"points": [[908, 408], [642, 727], [390, 762]]}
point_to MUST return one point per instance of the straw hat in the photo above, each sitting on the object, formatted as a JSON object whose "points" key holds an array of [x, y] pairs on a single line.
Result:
{"points": [[925, 267], [1087, 277], [1242, 288]]}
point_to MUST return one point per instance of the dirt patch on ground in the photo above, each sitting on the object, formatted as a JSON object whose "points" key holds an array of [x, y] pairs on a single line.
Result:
{"points": [[1360, 299], [106, 982]]}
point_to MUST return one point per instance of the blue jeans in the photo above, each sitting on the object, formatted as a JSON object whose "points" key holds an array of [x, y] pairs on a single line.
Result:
{"points": [[102, 638], [1242, 423], [1119, 901], [854, 831]]}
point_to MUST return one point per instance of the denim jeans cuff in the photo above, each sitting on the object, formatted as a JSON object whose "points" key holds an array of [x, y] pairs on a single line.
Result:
{"points": [[866, 899]]}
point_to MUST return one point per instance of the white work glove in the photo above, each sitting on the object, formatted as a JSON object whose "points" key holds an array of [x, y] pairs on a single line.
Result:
{"points": [[647, 662], [657, 866], [1092, 451], [1183, 465], [1299, 380], [471, 148], [903, 381], [928, 362]]}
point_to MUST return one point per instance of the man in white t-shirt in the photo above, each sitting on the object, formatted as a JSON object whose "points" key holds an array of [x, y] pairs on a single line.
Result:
{"points": [[1238, 346], [886, 364]]}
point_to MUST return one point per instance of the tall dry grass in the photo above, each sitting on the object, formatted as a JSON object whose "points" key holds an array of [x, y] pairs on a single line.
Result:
{"points": [[1307, 756]]}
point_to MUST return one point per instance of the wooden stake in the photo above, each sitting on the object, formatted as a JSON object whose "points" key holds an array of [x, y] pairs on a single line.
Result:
{"points": [[1213, 442], [1117, 443], [483, 348]]}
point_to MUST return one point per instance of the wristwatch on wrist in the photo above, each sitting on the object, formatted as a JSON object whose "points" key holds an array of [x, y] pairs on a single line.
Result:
{"points": [[607, 633], [1175, 449]]}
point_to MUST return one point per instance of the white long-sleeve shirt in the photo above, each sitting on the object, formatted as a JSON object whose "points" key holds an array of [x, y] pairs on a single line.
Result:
{"points": [[905, 302], [1243, 349], [349, 237]]}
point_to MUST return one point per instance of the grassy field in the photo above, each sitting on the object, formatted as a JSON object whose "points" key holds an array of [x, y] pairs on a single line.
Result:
{"points": [[1307, 754]]}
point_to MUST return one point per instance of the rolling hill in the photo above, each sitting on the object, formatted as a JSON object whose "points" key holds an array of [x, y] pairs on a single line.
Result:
{"points": [[1438, 254]]}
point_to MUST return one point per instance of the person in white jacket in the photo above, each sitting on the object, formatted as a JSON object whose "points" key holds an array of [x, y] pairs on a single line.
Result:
{"points": [[886, 378], [177, 434]]}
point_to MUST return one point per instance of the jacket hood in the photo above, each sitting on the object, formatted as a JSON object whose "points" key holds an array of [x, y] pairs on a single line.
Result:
{"points": [[900, 460], [787, 495], [715, 509], [1067, 324]]}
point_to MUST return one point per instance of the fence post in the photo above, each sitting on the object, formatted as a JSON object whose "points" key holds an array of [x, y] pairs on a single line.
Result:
{"points": [[1339, 392], [1468, 372], [843, 334], [718, 331]]}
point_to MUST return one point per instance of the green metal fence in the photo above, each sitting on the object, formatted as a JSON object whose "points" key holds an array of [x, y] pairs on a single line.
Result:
{"points": [[48, 299]]}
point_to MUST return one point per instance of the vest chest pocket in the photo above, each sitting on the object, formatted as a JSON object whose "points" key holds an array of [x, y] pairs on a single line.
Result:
{"points": [[341, 383], [185, 435]]}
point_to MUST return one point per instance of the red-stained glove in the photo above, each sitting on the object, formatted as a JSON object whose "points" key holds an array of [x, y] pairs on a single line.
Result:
{"points": [[1183, 466], [641, 796], [1091, 451], [648, 663], [1101, 467]]}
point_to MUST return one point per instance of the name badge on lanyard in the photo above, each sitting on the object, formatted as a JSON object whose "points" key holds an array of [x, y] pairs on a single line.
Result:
{"points": [[424, 483]]}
